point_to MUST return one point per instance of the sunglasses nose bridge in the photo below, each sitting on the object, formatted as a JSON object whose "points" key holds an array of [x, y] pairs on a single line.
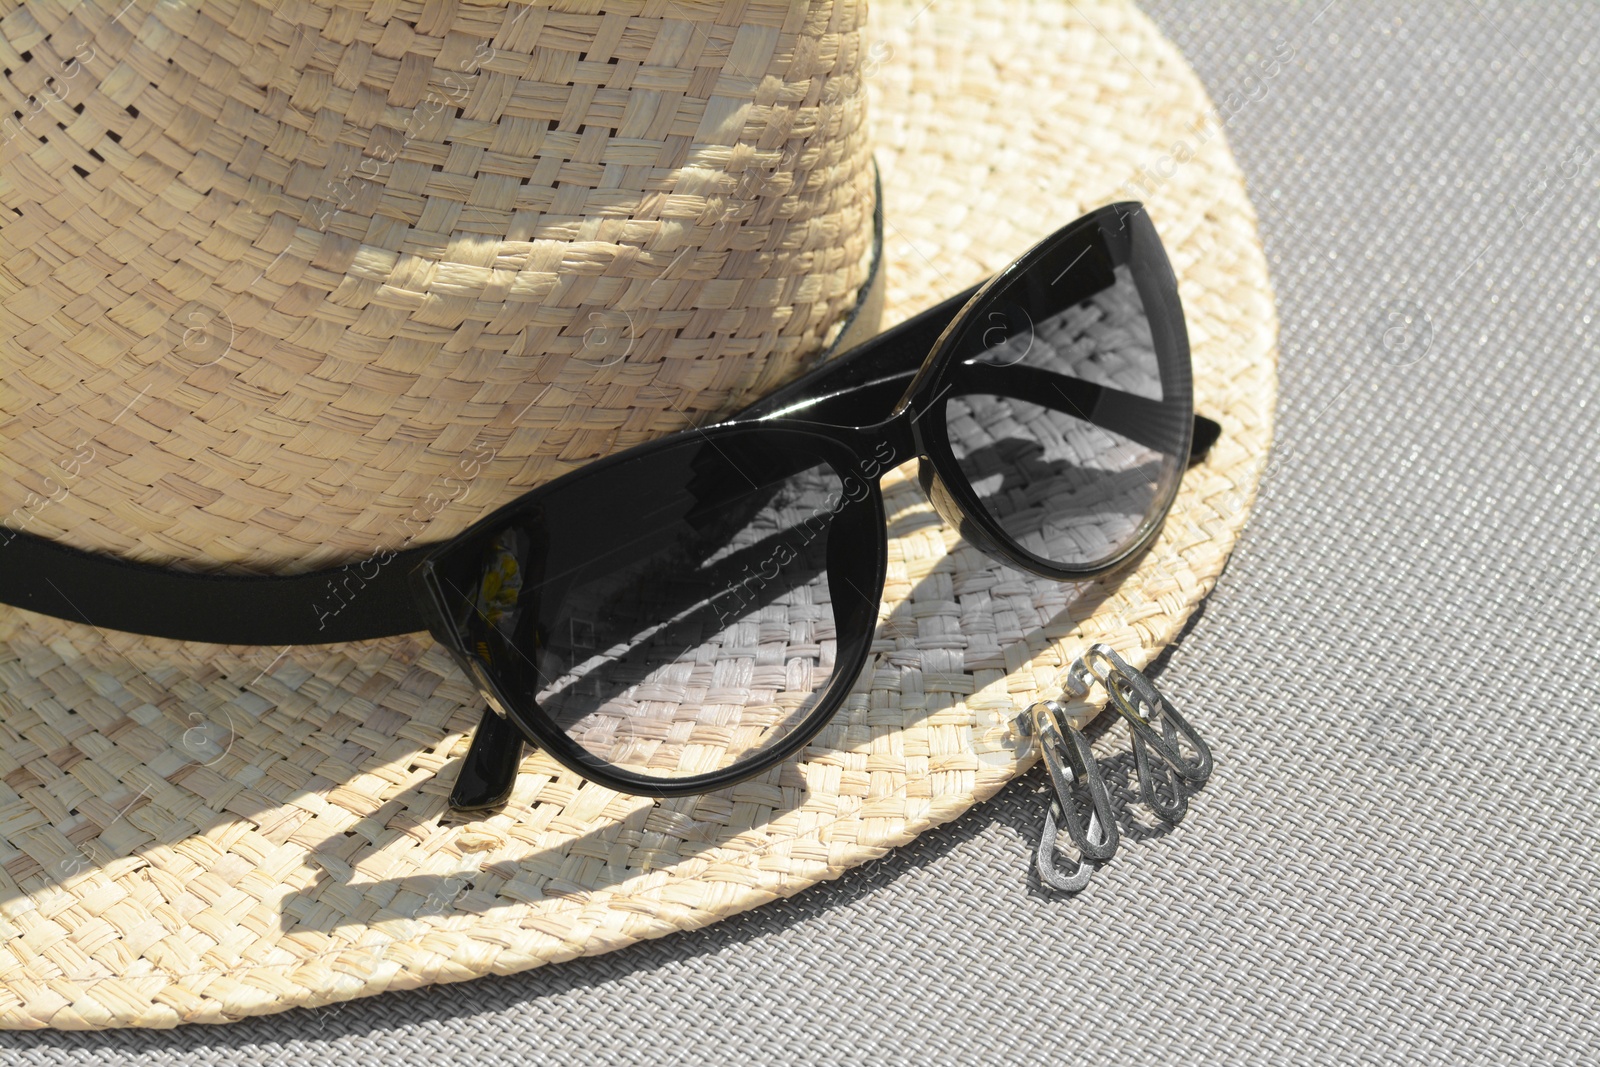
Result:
{"points": [[886, 445]]}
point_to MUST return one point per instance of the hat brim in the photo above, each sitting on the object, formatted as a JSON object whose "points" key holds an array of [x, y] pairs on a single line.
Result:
{"points": [[201, 833]]}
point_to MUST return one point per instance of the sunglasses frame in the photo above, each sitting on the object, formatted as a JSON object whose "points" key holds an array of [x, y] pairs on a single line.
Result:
{"points": [[819, 418], [855, 602], [1133, 241]]}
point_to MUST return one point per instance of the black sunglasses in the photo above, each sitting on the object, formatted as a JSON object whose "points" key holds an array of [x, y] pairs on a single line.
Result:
{"points": [[689, 613]]}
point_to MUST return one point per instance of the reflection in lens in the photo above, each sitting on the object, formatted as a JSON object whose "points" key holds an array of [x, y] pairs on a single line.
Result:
{"points": [[682, 640], [1062, 429]]}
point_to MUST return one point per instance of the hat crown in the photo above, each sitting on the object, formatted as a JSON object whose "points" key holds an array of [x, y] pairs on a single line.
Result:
{"points": [[285, 287]]}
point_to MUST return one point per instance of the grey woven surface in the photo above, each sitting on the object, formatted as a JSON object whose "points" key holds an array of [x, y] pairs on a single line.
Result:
{"points": [[1397, 856]]}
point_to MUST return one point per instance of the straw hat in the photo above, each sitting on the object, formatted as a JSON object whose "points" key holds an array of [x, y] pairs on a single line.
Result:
{"points": [[269, 271]]}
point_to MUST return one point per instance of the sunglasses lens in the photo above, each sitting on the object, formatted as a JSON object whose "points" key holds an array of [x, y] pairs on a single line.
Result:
{"points": [[674, 617], [1069, 411]]}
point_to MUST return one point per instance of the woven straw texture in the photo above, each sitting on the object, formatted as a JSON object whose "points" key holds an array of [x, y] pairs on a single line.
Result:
{"points": [[199, 833], [272, 269]]}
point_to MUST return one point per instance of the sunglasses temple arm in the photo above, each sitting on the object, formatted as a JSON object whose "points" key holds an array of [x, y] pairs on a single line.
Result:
{"points": [[1134, 417], [1206, 432], [862, 386], [490, 769]]}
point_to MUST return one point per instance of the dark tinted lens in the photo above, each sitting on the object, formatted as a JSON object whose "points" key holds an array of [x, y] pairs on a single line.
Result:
{"points": [[674, 618], [1065, 415]]}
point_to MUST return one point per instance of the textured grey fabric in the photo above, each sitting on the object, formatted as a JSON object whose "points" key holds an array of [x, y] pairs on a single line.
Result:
{"points": [[1397, 856]]}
